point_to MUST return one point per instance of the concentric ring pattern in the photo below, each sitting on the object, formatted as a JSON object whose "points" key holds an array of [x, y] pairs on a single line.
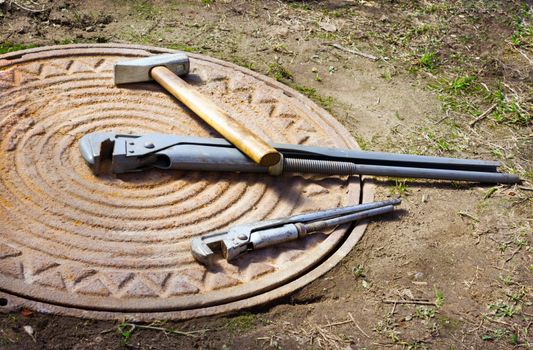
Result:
{"points": [[121, 243]]}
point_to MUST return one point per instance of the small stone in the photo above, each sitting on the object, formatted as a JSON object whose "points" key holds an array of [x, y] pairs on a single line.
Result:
{"points": [[30, 331], [89, 29], [419, 275]]}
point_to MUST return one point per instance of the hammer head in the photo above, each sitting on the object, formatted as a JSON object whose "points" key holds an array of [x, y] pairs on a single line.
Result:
{"points": [[137, 71]]}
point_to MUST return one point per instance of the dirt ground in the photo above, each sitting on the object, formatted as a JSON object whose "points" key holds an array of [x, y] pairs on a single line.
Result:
{"points": [[460, 254]]}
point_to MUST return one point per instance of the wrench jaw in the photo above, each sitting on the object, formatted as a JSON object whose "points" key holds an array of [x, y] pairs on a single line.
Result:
{"points": [[201, 251], [108, 152], [96, 148], [235, 244], [204, 248], [231, 244]]}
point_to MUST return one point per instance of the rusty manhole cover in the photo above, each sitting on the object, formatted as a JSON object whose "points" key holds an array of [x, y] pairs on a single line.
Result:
{"points": [[115, 246]]}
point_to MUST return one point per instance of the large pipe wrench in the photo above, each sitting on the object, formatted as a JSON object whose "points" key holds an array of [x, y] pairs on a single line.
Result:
{"points": [[247, 237], [126, 153]]}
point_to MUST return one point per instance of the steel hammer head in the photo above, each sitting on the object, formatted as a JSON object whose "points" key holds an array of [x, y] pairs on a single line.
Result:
{"points": [[137, 71]]}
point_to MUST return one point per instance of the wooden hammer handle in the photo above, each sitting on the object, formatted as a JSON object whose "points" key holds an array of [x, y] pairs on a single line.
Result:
{"points": [[239, 135]]}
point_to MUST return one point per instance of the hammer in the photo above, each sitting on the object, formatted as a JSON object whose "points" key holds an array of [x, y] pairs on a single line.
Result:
{"points": [[166, 70]]}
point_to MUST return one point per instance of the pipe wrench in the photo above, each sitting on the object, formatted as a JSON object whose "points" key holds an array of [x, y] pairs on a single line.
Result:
{"points": [[128, 153], [241, 239]]}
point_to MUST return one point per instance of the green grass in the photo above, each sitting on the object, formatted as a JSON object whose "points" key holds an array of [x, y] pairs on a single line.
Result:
{"points": [[324, 101], [508, 110], [523, 29], [443, 144], [181, 47], [126, 330], [494, 335], [462, 83], [501, 309], [145, 9], [358, 271], [518, 295], [437, 8], [243, 62], [400, 188], [429, 61], [300, 5], [507, 280], [279, 72], [8, 46], [242, 323], [388, 74], [425, 313], [464, 94], [363, 144], [439, 298], [499, 334]]}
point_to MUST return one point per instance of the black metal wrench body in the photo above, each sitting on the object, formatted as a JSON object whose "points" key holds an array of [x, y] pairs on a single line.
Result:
{"points": [[129, 153]]}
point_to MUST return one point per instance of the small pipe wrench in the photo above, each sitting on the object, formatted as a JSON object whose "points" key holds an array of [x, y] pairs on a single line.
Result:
{"points": [[244, 238]]}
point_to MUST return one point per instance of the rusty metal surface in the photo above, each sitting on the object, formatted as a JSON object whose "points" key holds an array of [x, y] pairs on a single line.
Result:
{"points": [[108, 246]]}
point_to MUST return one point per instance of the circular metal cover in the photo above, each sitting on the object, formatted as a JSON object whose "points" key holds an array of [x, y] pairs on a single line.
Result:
{"points": [[114, 246]]}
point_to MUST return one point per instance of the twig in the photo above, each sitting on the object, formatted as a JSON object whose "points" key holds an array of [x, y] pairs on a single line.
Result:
{"points": [[513, 254], [356, 325], [355, 52], [442, 119], [418, 302], [483, 115], [523, 54], [166, 330], [336, 323], [462, 213], [498, 321], [393, 309]]}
